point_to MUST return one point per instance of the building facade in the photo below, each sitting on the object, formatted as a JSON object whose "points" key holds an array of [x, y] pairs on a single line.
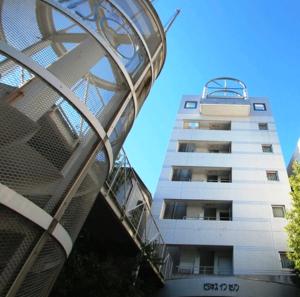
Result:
{"points": [[74, 75], [222, 195]]}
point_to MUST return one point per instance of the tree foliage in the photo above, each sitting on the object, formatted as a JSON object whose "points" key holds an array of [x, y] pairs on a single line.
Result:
{"points": [[293, 216]]}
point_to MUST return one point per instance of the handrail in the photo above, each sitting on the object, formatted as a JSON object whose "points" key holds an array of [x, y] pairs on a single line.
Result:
{"points": [[137, 211]]}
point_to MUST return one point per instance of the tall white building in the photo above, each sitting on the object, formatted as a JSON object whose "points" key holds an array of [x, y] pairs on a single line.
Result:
{"points": [[222, 197]]}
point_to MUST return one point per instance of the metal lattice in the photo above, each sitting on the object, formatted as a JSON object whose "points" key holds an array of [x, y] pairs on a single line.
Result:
{"points": [[18, 237], [44, 271]]}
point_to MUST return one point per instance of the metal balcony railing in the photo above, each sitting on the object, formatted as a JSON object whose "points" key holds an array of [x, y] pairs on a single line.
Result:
{"points": [[192, 270], [133, 200]]}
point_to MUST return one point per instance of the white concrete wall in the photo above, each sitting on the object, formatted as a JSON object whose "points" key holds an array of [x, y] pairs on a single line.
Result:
{"points": [[256, 236]]}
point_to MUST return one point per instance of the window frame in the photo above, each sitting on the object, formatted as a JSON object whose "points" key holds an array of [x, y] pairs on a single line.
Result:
{"points": [[281, 207], [267, 146], [194, 104], [272, 172], [259, 109], [193, 125], [260, 126], [285, 261]]}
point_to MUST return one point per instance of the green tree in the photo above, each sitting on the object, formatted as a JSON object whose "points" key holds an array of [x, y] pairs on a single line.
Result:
{"points": [[293, 216]]}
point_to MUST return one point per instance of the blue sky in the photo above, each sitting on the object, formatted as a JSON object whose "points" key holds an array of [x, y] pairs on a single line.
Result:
{"points": [[257, 41]]}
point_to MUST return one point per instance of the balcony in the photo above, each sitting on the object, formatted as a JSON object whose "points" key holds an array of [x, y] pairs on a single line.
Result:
{"points": [[207, 125], [198, 210], [194, 261], [204, 147], [202, 174]]}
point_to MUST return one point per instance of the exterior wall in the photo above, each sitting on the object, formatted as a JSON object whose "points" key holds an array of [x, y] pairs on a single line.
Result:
{"points": [[256, 236]]}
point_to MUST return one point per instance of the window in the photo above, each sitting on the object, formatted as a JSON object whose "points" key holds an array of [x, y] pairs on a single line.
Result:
{"points": [[225, 215], [213, 151], [175, 210], [220, 126], [285, 261], [225, 179], [187, 147], [182, 175], [278, 211], [212, 178], [210, 213], [272, 175], [193, 125], [190, 104], [262, 126], [259, 106], [267, 148]]}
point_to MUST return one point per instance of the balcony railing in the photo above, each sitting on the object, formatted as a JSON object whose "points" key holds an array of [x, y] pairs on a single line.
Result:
{"points": [[222, 218], [192, 271], [133, 200]]}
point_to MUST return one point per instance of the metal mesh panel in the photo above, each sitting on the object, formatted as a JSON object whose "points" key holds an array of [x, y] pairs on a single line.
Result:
{"points": [[17, 238], [41, 277], [110, 24], [85, 196], [122, 128], [144, 22], [40, 134], [67, 51], [46, 41]]}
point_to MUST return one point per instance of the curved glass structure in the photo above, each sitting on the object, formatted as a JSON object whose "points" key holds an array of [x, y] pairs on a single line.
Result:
{"points": [[74, 75], [225, 87]]}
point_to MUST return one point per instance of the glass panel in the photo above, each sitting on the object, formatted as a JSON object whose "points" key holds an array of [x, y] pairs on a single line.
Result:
{"points": [[212, 178], [278, 211], [193, 125], [263, 126], [225, 216], [169, 210], [259, 106], [187, 147], [210, 213], [267, 148], [272, 175], [285, 261], [190, 104], [182, 175], [180, 211]]}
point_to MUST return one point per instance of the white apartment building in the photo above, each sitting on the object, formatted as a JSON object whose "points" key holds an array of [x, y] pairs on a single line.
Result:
{"points": [[222, 195]]}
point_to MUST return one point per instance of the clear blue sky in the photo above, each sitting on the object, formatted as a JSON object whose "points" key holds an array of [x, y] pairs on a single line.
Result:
{"points": [[257, 41]]}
